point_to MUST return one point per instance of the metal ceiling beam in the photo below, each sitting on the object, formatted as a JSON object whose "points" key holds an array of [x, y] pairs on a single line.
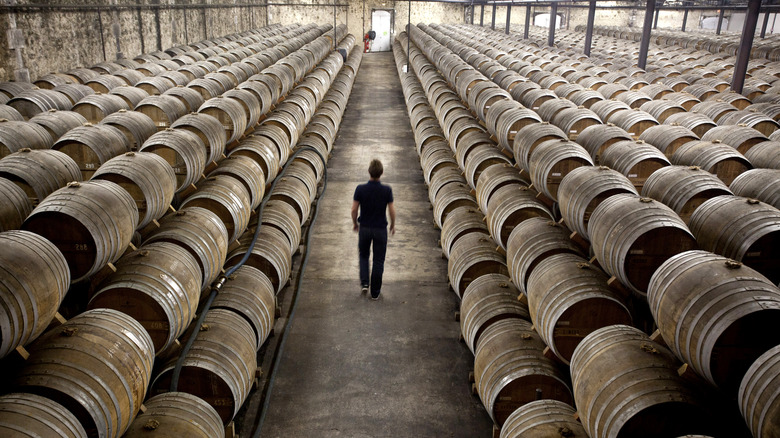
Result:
{"points": [[646, 29], [481, 14], [508, 17], [553, 21], [589, 27], [685, 20], [764, 26], [720, 17], [493, 22], [527, 21], [745, 44]]}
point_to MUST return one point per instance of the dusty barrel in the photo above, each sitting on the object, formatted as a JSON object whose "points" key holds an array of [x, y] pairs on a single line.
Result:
{"points": [[487, 300], [530, 242], [220, 366], [661, 109], [583, 189], [91, 223], [551, 161], [201, 233], [636, 160], [761, 184], [191, 99], [450, 197], [741, 138], [271, 255], [262, 151], [642, 397], [183, 151], [494, 178], [176, 414], [36, 101], [714, 157], [683, 188], [131, 95], [597, 138], [282, 216], [230, 113], [92, 145], [459, 222], [743, 229], [15, 136], [509, 119], [96, 107], [531, 136], [164, 110], [632, 236], [710, 310], [57, 123], [759, 395], [208, 129], [509, 206], [605, 109], [98, 365], [136, 126], [765, 155], [39, 172], [29, 415], [147, 178], [568, 298], [248, 173], [15, 206], [158, 286], [543, 419], [574, 120], [471, 257], [226, 197], [668, 139], [295, 192], [510, 369], [250, 294], [34, 278]]}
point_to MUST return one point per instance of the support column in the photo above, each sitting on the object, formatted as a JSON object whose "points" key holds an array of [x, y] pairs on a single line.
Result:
{"points": [[553, 22], [493, 22], [646, 29], [508, 16], [745, 44], [589, 27], [481, 14], [685, 18], [655, 21], [720, 18], [766, 23], [527, 21], [472, 12]]}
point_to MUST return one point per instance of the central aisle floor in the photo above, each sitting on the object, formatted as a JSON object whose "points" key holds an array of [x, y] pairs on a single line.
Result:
{"points": [[353, 367]]}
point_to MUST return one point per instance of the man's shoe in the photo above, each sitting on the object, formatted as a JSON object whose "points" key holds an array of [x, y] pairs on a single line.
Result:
{"points": [[364, 289], [375, 298]]}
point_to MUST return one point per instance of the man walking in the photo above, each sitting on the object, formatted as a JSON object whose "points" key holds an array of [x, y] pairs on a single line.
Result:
{"points": [[372, 199]]}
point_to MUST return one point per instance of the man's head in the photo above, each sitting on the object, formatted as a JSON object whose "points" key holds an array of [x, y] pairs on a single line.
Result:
{"points": [[375, 169]]}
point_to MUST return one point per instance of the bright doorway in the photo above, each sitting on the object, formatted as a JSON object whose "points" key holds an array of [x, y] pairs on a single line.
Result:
{"points": [[382, 24]]}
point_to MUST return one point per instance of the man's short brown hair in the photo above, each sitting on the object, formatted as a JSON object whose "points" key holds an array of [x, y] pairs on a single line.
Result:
{"points": [[375, 168]]}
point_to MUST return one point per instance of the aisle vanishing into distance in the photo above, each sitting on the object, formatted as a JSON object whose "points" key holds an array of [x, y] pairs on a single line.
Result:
{"points": [[361, 368]]}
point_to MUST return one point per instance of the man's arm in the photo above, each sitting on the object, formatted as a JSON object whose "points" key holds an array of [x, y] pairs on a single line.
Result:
{"points": [[391, 210], [355, 205]]}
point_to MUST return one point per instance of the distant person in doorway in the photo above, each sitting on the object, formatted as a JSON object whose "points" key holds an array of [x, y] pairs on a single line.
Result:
{"points": [[372, 199]]}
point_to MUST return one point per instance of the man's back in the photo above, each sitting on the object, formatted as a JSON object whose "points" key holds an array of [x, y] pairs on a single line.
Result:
{"points": [[373, 197]]}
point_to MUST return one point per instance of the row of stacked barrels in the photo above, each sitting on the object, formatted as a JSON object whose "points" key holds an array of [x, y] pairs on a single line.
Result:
{"points": [[766, 48], [572, 299], [88, 376]]}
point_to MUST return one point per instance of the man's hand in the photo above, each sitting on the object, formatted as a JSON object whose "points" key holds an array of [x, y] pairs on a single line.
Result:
{"points": [[355, 227], [392, 230]]}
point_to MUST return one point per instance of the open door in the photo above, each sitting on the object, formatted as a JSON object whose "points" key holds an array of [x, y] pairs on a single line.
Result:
{"points": [[382, 24]]}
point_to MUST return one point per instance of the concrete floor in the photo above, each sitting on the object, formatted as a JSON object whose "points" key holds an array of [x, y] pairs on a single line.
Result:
{"points": [[353, 367]]}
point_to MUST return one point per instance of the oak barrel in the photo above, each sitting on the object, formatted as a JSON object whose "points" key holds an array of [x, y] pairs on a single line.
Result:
{"points": [[176, 414], [250, 294], [543, 419], [759, 395], [683, 188], [25, 415], [488, 299]]}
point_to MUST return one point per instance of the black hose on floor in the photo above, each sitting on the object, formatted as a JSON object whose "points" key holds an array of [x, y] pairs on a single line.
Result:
{"points": [[293, 307], [217, 285]]}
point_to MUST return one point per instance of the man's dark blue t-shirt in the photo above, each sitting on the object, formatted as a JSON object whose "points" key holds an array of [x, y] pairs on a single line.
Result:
{"points": [[373, 197]]}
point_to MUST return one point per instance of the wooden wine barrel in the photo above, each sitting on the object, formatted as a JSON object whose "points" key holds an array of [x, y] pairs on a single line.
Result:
{"points": [[509, 118], [761, 184], [597, 138], [741, 138], [683, 188], [97, 365], [510, 206], [686, 100], [765, 155], [714, 157], [29, 415], [15, 136], [201, 233], [543, 419], [450, 197], [632, 236], [147, 177], [226, 197], [248, 173], [636, 160], [549, 109], [487, 300], [306, 175], [551, 161], [495, 177], [191, 99], [183, 151], [459, 222], [271, 255], [668, 138], [714, 109], [295, 192], [568, 298], [282, 216], [709, 310], [250, 103], [472, 256], [698, 123], [220, 366], [91, 223], [574, 120], [530, 242], [97, 107], [90, 146], [39, 172], [34, 280], [743, 229], [15, 206], [158, 286], [531, 136], [661, 109], [35, 101], [136, 126], [164, 110], [57, 123], [250, 294], [176, 414], [230, 113], [583, 189], [262, 151], [643, 397], [208, 129], [605, 109], [510, 369], [755, 120], [759, 399]]}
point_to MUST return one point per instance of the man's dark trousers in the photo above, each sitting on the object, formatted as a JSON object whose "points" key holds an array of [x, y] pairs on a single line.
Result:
{"points": [[377, 236]]}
